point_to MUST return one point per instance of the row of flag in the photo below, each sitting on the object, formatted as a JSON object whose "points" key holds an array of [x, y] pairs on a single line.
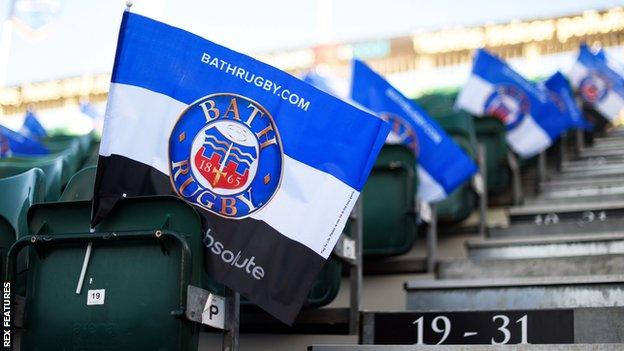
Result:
{"points": [[273, 165]]}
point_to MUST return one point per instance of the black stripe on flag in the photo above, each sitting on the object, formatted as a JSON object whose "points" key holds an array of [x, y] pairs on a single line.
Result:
{"points": [[254, 259]]}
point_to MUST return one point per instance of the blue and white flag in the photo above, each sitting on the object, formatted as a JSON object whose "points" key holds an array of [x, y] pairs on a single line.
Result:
{"points": [[5, 148], [15, 144], [442, 164], [32, 128], [273, 164], [598, 83], [322, 82], [88, 109], [560, 92], [532, 119]]}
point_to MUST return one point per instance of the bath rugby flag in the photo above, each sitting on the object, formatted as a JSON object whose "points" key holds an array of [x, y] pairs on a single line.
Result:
{"points": [[273, 164], [32, 128], [561, 94], [598, 83], [442, 164], [15, 144], [532, 119]]}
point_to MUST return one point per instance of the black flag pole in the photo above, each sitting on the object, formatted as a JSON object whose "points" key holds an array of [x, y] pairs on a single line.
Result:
{"points": [[232, 320]]}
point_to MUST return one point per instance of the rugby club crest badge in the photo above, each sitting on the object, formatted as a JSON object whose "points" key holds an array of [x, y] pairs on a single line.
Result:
{"points": [[225, 155], [401, 133], [594, 87], [509, 104]]}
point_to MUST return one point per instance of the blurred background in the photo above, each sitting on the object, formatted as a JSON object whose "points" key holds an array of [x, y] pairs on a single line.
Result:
{"points": [[56, 53]]}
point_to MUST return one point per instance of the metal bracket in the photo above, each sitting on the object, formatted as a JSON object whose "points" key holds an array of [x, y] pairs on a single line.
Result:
{"points": [[516, 181], [345, 250], [204, 307]]}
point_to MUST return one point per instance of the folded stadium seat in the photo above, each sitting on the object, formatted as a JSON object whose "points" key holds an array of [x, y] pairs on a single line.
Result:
{"points": [[80, 186], [19, 192], [52, 167], [70, 149], [124, 303], [460, 203], [324, 290], [92, 158], [491, 133], [389, 222]]}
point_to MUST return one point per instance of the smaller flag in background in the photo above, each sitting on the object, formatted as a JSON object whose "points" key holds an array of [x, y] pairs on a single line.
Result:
{"points": [[88, 109], [598, 83], [561, 93], [32, 128], [442, 164], [533, 121], [19, 144], [5, 148]]}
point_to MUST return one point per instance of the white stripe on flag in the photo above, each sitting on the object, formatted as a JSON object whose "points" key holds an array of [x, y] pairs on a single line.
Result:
{"points": [[428, 189], [141, 125], [308, 205], [528, 138], [576, 73], [474, 94], [610, 106]]}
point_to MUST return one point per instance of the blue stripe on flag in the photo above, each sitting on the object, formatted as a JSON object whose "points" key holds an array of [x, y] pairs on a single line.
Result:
{"points": [[187, 67], [496, 72], [439, 155]]}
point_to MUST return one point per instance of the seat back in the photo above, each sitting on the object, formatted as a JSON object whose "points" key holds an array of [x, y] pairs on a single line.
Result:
{"points": [[461, 202], [52, 168], [67, 147], [389, 220], [491, 133], [80, 186], [138, 279], [19, 193]]}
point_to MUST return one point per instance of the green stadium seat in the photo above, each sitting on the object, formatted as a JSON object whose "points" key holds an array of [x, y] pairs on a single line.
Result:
{"points": [[388, 197], [92, 158], [142, 305], [324, 290], [80, 186], [69, 149], [54, 168], [19, 192], [491, 133]]}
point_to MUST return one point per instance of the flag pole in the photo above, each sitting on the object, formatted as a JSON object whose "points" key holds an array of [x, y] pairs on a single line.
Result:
{"points": [[87, 256], [232, 320]]}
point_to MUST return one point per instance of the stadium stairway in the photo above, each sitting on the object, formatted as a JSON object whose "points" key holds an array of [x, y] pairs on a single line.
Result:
{"points": [[552, 275]]}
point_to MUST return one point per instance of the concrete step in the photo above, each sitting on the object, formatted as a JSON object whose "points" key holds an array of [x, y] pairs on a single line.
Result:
{"points": [[531, 267], [593, 162], [614, 191], [546, 246], [515, 293], [596, 152], [584, 167], [590, 173], [527, 213], [570, 217], [602, 182]]}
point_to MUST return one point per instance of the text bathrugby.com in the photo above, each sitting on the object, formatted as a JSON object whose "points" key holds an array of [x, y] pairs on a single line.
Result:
{"points": [[256, 80]]}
